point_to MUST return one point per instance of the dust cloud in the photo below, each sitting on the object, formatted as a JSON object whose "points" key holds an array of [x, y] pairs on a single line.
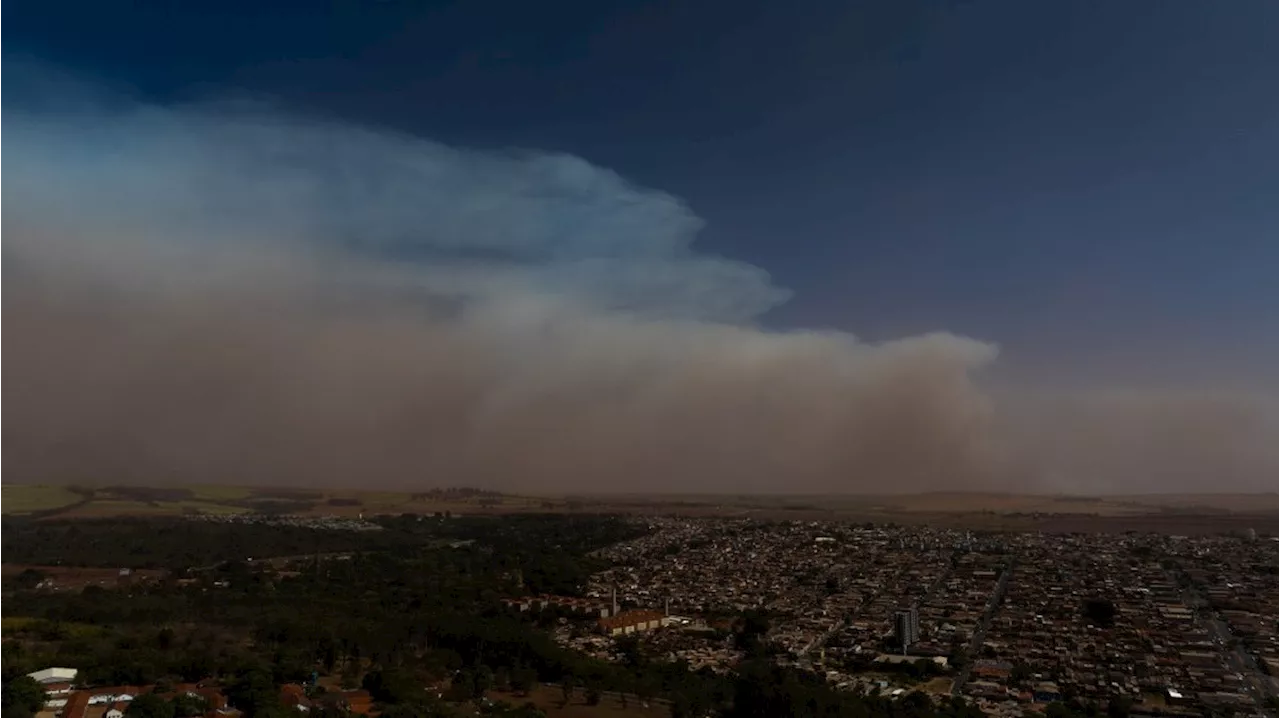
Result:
{"points": [[230, 293]]}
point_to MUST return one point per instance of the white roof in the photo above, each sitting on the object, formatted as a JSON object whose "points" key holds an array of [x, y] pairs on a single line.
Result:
{"points": [[53, 675]]}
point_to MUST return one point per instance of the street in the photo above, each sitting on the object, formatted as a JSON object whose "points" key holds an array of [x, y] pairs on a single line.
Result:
{"points": [[980, 633], [1260, 686]]}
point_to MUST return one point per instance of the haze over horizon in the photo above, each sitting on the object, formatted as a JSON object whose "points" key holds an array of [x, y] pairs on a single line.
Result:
{"points": [[396, 265]]}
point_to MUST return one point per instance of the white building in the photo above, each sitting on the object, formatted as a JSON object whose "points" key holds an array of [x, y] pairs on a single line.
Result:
{"points": [[54, 675]]}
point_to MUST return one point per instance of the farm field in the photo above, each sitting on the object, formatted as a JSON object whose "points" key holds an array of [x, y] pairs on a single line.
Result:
{"points": [[1191, 514], [48, 502], [26, 499]]}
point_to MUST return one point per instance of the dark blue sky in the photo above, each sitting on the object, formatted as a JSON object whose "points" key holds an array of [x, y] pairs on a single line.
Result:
{"points": [[1089, 184]]}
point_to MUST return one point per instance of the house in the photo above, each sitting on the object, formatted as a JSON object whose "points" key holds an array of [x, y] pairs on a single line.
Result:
{"points": [[112, 695], [58, 689], [1047, 692], [56, 695]]}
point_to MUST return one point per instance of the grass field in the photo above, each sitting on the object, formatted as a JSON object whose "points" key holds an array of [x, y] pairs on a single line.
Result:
{"points": [[11, 625], [210, 492], [115, 507], [24, 499]]}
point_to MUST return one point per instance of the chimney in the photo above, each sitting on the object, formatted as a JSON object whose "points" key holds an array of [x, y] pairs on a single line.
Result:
{"points": [[666, 608], [614, 594]]}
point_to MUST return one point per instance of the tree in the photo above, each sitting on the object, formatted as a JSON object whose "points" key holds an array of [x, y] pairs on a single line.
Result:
{"points": [[502, 679], [645, 688], [959, 656], [1100, 611], [593, 694], [392, 686], [482, 681], [186, 705], [23, 697], [1119, 707], [750, 637], [529, 710], [29, 578], [149, 705], [350, 676], [629, 648], [1057, 710], [523, 679], [164, 638], [254, 692], [463, 685], [566, 690]]}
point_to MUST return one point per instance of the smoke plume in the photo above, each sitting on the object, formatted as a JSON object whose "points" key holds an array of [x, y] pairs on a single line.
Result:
{"points": [[230, 293]]}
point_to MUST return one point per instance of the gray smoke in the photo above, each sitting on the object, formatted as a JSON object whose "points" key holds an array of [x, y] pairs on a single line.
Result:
{"points": [[227, 293]]}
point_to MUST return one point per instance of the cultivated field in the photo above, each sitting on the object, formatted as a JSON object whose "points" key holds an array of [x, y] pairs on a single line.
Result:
{"points": [[26, 499], [43, 502], [1178, 514]]}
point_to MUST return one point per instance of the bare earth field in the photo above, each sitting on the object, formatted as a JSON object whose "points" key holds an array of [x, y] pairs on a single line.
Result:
{"points": [[76, 578], [549, 699], [1189, 514]]}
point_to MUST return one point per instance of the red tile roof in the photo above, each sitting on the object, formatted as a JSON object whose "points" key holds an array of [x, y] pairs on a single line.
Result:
{"points": [[629, 618], [77, 704]]}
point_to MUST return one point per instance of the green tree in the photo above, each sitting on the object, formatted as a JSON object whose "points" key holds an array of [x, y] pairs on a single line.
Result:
{"points": [[482, 681], [1058, 710], [1100, 611], [30, 578], [254, 692], [523, 679], [164, 638], [149, 705], [22, 697], [1119, 707], [566, 690], [189, 706], [393, 686]]}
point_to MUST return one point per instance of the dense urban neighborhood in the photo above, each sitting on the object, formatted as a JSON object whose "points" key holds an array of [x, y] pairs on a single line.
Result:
{"points": [[670, 616], [1013, 621]]}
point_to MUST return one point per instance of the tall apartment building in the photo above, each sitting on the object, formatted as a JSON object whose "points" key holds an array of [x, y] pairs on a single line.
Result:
{"points": [[906, 626]]}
